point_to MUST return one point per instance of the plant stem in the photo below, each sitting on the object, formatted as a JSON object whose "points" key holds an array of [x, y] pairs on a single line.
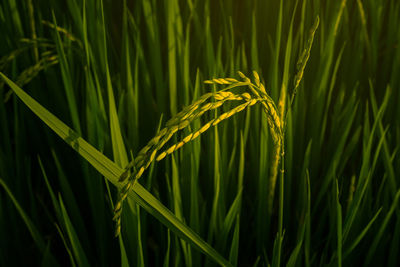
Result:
{"points": [[281, 186]]}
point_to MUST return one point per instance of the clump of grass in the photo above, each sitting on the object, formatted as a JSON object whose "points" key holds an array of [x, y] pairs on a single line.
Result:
{"points": [[340, 189]]}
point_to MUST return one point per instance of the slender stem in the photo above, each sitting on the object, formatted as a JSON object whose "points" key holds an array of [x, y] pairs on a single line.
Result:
{"points": [[33, 30], [281, 192], [281, 187]]}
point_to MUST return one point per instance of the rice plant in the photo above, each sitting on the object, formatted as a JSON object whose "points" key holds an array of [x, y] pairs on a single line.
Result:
{"points": [[290, 160]]}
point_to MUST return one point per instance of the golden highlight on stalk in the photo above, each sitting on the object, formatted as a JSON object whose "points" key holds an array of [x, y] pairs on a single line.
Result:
{"points": [[151, 152]]}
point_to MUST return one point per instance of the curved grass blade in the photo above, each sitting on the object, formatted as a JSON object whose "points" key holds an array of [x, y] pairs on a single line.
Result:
{"points": [[361, 235], [382, 229], [29, 224], [77, 249], [112, 172]]}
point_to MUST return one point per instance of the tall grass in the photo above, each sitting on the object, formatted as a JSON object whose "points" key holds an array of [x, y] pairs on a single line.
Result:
{"points": [[107, 76]]}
